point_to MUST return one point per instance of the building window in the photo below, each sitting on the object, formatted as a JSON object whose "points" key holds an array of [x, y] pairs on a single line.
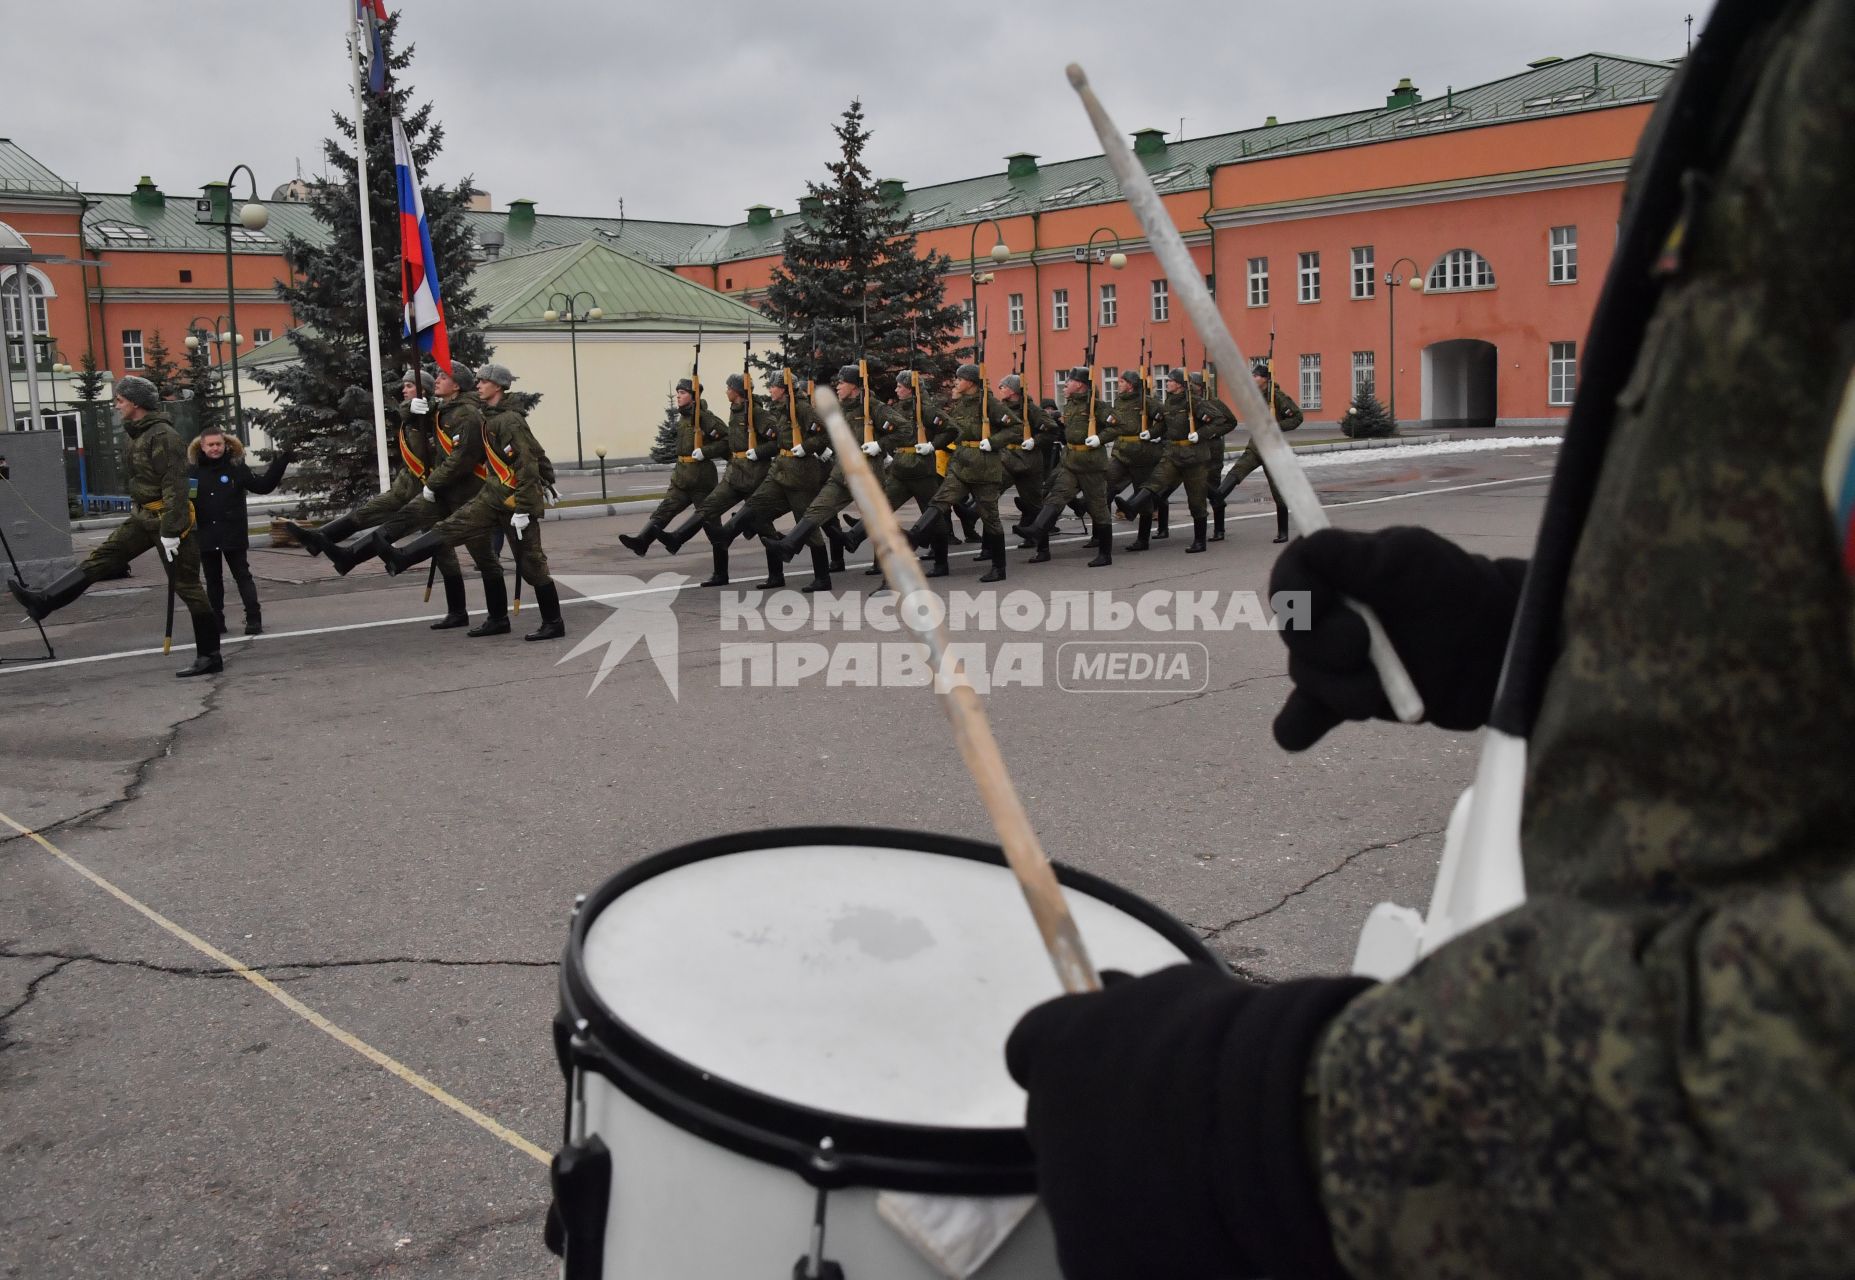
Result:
{"points": [[1014, 313], [131, 349], [1159, 384], [1059, 386], [1059, 309], [1309, 277], [1562, 373], [1457, 270], [1365, 372], [1162, 301], [1110, 309], [1564, 255], [1310, 382], [966, 317], [1111, 383], [260, 336], [1365, 274], [1259, 282], [35, 296], [186, 277]]}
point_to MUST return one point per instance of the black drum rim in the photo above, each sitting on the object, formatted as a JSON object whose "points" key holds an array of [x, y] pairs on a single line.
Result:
{"points": [[863, 1152]]}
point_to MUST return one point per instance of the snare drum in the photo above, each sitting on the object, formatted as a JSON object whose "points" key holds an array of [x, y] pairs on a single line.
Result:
{"points": [[762, 1032]]}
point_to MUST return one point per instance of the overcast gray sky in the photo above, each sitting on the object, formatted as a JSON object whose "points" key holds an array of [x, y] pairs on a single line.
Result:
{"points": [[694, 110]]}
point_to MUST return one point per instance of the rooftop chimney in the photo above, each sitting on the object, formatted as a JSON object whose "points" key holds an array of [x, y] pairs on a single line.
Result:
{"points": [[759, 215], [1405, 95], [1149, 142], [891, 189], [811, 206], [147, 195], [1270, 123], [1020, 164], [521, 213]]}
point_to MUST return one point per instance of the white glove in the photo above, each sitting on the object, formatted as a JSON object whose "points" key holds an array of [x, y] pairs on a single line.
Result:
{"points": [[427, 494], [170, 547], [1093, 442], [985, 446], [924, 448], [1144, 435], [752, 456], [418, 404], [825, 455], [696, 453], [1192, 438], [519, 522], [871, 448]]}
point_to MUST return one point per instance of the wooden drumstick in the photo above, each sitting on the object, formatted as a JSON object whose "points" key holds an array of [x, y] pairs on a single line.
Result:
{"points": [[971, 730], [1188, 285]]}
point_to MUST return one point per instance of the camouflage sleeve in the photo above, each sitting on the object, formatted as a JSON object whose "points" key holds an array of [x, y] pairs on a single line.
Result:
{"points": [[465, 457], [816, 438], [1287, 412], [170, 460], [715, 437], [942, 430]]}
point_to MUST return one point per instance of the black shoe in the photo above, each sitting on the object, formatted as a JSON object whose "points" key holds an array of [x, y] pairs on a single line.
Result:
{"points": [[640, 542], [775, 572], [1217, 522], [1281, 524], [938, 568], [422, 548], [344, 556], [42, 604], [254, 625], [496, 607], [322, 537], [547, 599], [1043, 550], [206, 660], [1280, 537], [456, 614], [874, 571], [995, 543], [497, 626], [821, 572], [673, 540], [1104, 556], [1140, 539], [718, 551], [1162, 518], [204, 664], [1197, 536]]}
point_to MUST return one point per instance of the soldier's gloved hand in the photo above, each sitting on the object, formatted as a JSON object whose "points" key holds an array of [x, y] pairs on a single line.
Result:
{"points": [[985, 446], [825, 454], [1192, 438], [1146, 435], [419, 404], [753, 455], [170, 547], [427, 494], [1167, 1113], [1447, 613], [924, 449], [1093, 442], [519, 522], [696, 453], [871, 448]]}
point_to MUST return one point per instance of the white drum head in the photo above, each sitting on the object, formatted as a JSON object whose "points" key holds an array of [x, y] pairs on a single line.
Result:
{"points": [[866, 981]]}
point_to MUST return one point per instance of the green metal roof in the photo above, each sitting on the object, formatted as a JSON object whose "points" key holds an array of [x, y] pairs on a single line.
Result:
{"points": [[21, 174], [125, 222], [660, 242], [634, 295]]}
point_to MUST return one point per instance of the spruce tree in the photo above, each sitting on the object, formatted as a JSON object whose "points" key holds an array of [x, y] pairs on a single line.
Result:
{"points": [[89, 378], [1367, 418], [158, 369], [851, 283], [663, 448], [325, 397], [203, 381]]}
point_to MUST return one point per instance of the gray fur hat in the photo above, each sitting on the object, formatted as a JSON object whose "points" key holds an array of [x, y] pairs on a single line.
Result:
{"points": [[462, 374], [138, 391], [968, 373], [425, 379], [498, 374]]}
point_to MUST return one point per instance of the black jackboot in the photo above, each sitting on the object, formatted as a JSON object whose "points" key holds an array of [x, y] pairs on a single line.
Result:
{"points": [[856, 536], [1042, 543], [496, 605], [456, 612], [775, 572], [547, 597], [995, 543], [40, 604], [346, 555], [640, 542], [718, 551], [1104, 541], [321, 538], [1197, 535], [1040, 524], [743, 525], [938, 566], [1281, 524], [834, 540], [968, 512], [928, 528], [206, 659], [399, 559], [1140, 539], [673, 541], [821, 572], [787, 547], [1162, 519], [1217, 520]]}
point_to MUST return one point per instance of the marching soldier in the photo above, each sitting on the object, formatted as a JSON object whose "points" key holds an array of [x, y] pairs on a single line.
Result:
{"points": [[155, 462], [1224, 421], [457, 430], [415, 457], [1024, 456], [753, 442], [791, 482], [835, 496], [906, 435], [977, 467], [701, 438], [1084, 469], [1136, 452], [510, 500], [1288, 414], [1183, 423]]}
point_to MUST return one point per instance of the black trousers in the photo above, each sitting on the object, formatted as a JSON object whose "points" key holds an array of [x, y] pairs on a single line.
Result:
{"points": [[238, 560]]}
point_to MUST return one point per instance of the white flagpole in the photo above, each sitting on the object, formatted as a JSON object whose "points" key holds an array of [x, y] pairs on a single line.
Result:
{"points": [[367, 243]]}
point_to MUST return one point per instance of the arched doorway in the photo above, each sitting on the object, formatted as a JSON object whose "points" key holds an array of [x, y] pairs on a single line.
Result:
{"points": [[1460, 378]]}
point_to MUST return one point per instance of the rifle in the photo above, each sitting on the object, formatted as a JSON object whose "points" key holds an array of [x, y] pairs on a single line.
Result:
{"points": [[985, 389], [747, 380], [1146, 381], [863, 374], [695, 404]]}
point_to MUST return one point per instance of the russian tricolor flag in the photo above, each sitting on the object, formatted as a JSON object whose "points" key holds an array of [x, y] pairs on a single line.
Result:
{"points": [[418, 270], [371, 13]]}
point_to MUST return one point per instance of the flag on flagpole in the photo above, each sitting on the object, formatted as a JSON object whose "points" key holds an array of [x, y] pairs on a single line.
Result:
{"points": [[370, 14], [418, 271]]}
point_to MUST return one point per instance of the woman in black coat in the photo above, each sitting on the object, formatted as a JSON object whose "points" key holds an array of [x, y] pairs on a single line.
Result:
{"points": [[220, 482]]}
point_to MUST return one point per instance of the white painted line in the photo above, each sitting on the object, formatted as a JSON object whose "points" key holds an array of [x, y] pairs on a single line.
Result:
{"points": [[268, 636]]}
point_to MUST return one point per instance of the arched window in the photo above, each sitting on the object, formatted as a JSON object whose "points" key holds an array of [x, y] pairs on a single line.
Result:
{"points": [[1457, 270], [38, 289]]}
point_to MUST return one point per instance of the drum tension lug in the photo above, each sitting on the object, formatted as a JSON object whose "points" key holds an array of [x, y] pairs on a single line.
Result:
{"points": [[582, 1185], [814, 1265]]}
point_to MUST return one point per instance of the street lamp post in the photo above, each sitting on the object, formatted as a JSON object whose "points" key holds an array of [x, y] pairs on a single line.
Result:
{"points": [[575, 319], [1116, 261], [601, 452], [253, 217], [1392, 281], [999, 252], [198, 335]]}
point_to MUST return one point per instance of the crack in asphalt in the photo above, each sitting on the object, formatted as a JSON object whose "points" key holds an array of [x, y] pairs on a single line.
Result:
{"points": [[1211, 932], [138, 779], [279, 966], [32, 993], [1205, 693]]}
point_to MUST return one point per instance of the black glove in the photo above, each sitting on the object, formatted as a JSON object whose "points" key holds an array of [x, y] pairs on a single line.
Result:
{"points": [[1167, 1117], [1446, 611]]}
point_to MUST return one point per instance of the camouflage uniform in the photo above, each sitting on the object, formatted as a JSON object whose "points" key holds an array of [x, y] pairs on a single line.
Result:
{"points": [[744, 474], [796, 474], [155, 460], [1182, 462], [1288, 417], [1085, 466], [911, 474], [693, 479], [973, 470], [1133, 459], [1023, 463]]}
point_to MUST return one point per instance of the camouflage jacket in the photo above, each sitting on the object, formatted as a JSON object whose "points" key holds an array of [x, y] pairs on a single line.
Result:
{"points": [[155, 460], [714, 441], [900, 433], [1078, 454], [1648, 1069], [514, 479], [458, 432], [763, 439]]}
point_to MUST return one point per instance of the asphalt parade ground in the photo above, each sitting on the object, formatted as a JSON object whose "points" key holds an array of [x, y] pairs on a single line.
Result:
{"points": [[278, 947]]}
